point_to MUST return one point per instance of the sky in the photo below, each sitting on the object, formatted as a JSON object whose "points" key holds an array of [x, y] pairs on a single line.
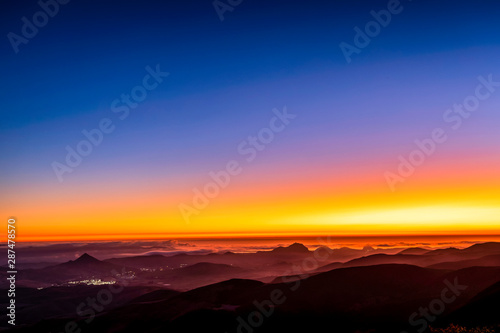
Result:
{"points": [[303, 139]]}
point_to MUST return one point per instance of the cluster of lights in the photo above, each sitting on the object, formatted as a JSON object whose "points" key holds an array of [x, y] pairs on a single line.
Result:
{"points": [[95, 282]]}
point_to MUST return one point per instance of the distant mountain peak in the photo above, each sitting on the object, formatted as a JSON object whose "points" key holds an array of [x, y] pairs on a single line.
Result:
{"points": [[86, 258], [294, 248], [484, 246], [414, 251]]}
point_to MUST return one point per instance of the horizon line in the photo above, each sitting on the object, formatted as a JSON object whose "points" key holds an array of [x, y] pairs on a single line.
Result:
{"points": [[231, 235]]}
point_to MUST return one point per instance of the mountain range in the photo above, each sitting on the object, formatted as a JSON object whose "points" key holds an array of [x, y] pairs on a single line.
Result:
{"points": [[293, 290]]}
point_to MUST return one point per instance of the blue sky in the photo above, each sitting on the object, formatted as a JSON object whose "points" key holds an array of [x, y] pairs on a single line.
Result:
{"points": [[226, 77]]}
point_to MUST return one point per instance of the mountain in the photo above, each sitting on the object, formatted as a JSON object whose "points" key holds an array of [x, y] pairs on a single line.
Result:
{"points": [[33, 305], [485, 254], [194, 276], [186, 271], [148, 261], [86, 259], [414, 250], [370, 292], [482, 310], [330, 266], [490, 247], [376, 298], [292, 249], [208, 268], [490, 260], [83, 268], [379, 259], [155, 296], [447, 251], [85, 262]]}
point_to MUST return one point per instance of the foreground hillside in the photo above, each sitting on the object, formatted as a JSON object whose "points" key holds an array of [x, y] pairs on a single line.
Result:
{"points": [[366, 294]]}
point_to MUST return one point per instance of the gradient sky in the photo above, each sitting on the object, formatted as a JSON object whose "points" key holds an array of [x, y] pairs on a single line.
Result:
{"points": [[323, 174]]}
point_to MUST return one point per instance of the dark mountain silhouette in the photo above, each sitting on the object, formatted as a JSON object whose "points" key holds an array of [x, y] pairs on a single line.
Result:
{"points": [[433, 258], [483, 308], [187, 271], [379, 259], [375, 292], [346, 253], [294, 248], [490, 260], [293, 254], [490, 247], [84, 268], [414, 250], [149, 261], [155, 296], [35, 305], [196, 275], [329, 267], [447, 251], [378, 298], [85, 261], [86, 258]]}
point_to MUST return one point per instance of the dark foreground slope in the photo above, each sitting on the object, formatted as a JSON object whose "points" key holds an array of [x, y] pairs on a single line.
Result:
{"points": [[378, 298]]}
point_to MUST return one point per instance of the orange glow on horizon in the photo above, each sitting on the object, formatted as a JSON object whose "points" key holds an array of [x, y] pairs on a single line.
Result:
{"points": [[433, 202]]}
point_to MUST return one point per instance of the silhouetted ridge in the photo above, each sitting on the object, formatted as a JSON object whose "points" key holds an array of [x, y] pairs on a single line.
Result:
{"points": [[489, 246], [414, 251], [294, 248], [86, 258]]}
